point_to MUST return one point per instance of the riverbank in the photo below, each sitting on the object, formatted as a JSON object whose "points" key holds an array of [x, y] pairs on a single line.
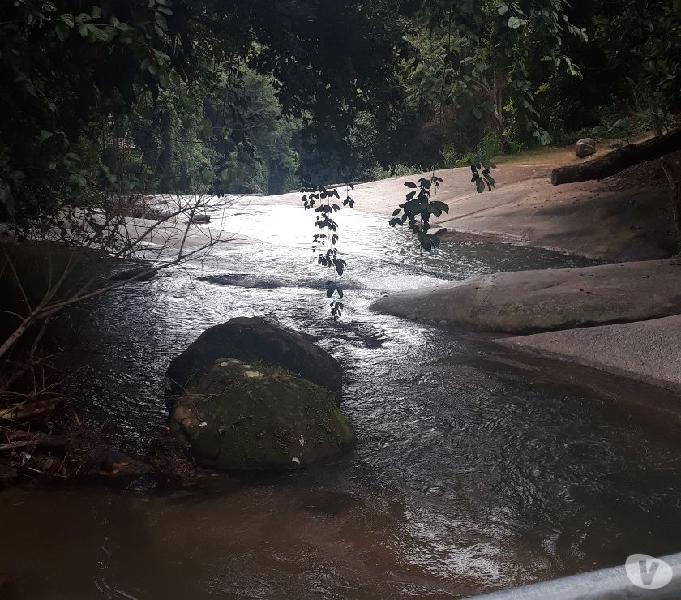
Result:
{"points": [[620, 318], [623, 218]]}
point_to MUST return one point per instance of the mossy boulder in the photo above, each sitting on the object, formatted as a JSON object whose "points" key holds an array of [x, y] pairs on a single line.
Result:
{"points": [[240, 416], [255, 340]]}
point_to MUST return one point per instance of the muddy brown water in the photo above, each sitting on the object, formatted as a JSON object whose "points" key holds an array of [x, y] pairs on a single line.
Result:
{"points": [[469, 474]]}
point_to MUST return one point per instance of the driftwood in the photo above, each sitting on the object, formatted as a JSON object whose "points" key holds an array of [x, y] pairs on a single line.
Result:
{"points": [[619, 160], [26, 410], [38, 440]]}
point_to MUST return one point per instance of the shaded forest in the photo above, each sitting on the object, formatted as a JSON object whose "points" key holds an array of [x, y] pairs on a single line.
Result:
{"points": [[111, 97]]}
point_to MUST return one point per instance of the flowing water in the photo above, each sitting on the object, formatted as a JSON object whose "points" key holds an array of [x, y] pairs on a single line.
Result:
{"points": [[469, 474]]}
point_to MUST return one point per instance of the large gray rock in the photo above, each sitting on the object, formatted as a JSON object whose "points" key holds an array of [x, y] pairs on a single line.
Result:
{"points": [[545, 300], [238, 416], [255, 340], [585, 147]]}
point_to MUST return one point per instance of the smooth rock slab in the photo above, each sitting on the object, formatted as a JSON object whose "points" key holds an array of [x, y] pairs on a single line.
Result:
{"points": [[545, 300], [647, 350]]}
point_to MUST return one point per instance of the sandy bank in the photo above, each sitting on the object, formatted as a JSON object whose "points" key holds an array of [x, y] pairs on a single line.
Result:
{"points": [[531, 301], [645, 350], [619, 219]]}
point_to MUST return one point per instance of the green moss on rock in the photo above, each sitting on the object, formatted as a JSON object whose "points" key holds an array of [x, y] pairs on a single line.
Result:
{"points": [[240, 416]]}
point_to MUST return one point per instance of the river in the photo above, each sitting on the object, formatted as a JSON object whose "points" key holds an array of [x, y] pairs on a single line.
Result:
{"points": [[470, 474]]}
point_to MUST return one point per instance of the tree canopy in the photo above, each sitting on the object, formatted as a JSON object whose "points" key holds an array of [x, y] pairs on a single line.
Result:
{"points": [[79, 77], [112, 96]]}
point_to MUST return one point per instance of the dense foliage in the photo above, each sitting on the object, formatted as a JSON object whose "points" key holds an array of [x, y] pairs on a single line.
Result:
{"points": [[102, 97]]}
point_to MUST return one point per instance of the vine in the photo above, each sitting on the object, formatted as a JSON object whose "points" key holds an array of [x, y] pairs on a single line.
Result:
{"points": [[416, 211], [320, 199]]}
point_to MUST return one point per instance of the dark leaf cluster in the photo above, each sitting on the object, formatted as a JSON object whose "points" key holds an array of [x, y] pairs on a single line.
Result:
{"points": [[418, 210]]}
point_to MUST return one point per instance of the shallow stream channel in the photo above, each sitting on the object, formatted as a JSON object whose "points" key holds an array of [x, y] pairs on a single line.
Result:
{"points": [[470, 474]]}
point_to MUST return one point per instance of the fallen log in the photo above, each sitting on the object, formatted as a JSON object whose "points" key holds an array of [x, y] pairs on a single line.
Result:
{"points": [[618, 160]]}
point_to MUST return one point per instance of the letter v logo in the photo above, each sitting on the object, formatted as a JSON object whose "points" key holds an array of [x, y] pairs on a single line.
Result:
{"points": [[647, 572]]}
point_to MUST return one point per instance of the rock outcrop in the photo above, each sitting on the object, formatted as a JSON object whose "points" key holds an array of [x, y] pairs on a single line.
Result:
{"points": [[547, 300]]}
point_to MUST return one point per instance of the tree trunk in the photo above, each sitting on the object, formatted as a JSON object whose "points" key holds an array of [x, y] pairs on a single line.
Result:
{"points": [[499, 120], [165, 158], [619, 160], [673, 172]]}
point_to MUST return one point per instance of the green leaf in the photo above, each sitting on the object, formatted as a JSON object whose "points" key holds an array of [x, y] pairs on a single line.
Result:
{"points": [[514, 22], [339, 263], [161, 21], [62, 31], [68, 20], [98, 35], [441, 206]]}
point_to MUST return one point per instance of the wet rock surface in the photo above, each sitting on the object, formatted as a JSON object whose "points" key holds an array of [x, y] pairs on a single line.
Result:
{"points": [[255, 340], [645, 350]]}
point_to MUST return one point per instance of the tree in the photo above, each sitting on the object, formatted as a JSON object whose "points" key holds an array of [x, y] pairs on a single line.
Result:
{"points": [[70, 67], [480, 58], [64, 68]]}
